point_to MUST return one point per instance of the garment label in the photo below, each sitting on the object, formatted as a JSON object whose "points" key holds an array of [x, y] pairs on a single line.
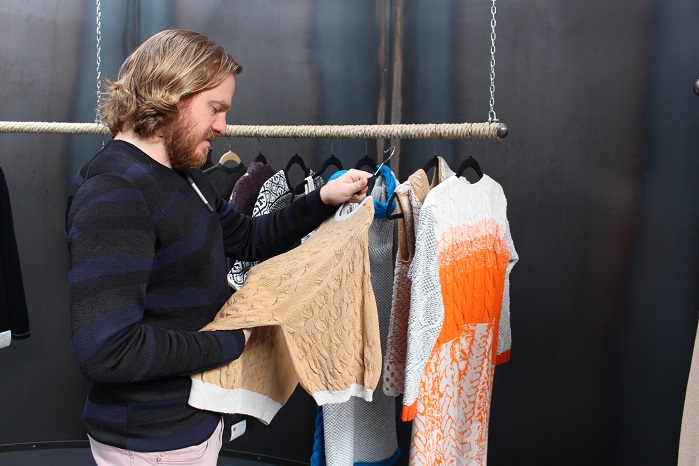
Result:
{"points": [[5, 338], [238, 429]]}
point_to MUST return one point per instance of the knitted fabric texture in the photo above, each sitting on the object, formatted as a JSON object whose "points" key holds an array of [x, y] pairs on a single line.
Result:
{"points": [[357, 431], [315, 322], [247, 188], [410, 197], [223, 178], [275, 193], [463, 258]]}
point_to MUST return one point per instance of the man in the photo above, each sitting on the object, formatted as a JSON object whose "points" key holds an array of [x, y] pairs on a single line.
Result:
{"points": [[148, 237]]}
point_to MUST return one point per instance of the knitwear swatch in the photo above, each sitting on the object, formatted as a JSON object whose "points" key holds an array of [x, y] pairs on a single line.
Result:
{"points": [[315, 322], [463, 257]]}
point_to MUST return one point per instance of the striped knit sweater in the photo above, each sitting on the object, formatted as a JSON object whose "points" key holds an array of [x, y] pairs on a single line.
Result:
{"points": [[147, 271]]}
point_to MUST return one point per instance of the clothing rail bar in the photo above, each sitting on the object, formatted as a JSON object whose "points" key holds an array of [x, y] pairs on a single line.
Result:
{"points": [[494, 130]]}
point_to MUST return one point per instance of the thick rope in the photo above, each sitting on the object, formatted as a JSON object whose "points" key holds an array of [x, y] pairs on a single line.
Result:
{"points": [[399, 131]]}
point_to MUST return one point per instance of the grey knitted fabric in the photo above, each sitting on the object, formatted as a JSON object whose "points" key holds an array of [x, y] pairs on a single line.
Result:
{"points": [[361, 431]]}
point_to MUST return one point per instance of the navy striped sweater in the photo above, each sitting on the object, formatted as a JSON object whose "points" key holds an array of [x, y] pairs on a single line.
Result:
{"points": [[147, 271]]}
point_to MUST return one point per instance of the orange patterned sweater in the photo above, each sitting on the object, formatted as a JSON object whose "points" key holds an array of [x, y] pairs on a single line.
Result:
{"points": [[459, 320]]}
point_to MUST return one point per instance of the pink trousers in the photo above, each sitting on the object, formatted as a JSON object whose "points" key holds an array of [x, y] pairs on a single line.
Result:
{"points": [[204, 454]]}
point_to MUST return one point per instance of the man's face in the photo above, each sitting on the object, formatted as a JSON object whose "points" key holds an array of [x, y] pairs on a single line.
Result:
{"points": [[199, 119]]}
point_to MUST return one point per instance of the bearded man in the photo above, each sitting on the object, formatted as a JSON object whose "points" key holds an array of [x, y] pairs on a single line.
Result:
{"points": [[148, 239]]}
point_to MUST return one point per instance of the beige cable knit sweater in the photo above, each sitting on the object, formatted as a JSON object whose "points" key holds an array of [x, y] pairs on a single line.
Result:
{"points": [[315, 322]]}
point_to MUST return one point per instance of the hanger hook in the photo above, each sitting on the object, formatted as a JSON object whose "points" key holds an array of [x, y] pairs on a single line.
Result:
{"points": [[392, 149], [296, 141], [470, 142], [332, 150], [230, 143], [435, 139]]}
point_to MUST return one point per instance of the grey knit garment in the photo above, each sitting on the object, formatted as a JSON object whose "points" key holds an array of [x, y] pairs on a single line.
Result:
{"points": [[361, 431]]}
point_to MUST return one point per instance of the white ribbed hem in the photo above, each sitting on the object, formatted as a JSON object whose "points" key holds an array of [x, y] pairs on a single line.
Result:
{"points": [[211, 397], [327, 396], [5, 338]]}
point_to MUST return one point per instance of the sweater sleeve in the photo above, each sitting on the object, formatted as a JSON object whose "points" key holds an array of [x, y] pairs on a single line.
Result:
{"points": [[426, 310], [504, 330], [265, 236], [111, 240]]}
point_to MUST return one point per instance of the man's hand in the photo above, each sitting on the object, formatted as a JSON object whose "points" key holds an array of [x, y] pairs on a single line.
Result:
{"points": [[350, 186]]}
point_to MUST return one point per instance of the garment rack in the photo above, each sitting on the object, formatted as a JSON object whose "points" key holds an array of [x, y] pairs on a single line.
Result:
{"points": [[489, 130]]}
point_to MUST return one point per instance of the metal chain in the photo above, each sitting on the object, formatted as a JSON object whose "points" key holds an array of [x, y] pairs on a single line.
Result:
{"points": [[99, 60], [492, 117]]}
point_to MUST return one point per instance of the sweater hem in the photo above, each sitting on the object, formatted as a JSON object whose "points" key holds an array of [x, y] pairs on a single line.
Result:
{"points": [[502, 358], [408, 413], [329, 396], [210, 397], [387, 462]]}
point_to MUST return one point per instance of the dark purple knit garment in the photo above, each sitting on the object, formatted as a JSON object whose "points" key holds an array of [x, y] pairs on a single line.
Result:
{"points": [[248, 187]]}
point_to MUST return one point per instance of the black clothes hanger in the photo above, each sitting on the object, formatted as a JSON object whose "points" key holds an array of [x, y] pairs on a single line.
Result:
{"points": [[260, 158], [331, 161], [366, 161], [389, 215], [470, 162], [431, 163], [297, 160]]}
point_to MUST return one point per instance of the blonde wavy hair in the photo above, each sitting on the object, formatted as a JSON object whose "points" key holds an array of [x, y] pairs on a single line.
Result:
{"points": [[163, 71]]}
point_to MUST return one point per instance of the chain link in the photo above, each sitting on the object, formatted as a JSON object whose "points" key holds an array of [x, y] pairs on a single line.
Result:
{"points": [[99, 60], [492, 117]]}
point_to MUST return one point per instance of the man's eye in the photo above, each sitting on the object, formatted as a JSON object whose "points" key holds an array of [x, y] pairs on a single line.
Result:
{"points": [[215, 110]]}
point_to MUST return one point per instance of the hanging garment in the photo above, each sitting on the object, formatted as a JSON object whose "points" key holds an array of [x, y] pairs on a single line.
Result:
{"points": [[314, 317], [245, 192], [410, 196], [460, 296], [247, 188], [689, 449], [14, 320], [359, 432], [224, 178], [275, 193]]}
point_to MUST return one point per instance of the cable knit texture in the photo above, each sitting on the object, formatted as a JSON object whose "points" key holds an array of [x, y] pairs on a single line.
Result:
{"points": [[410, 196], [463, 258], [358, 432], [315, 322]]}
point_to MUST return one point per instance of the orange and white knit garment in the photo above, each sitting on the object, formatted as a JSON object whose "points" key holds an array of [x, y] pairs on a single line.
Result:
{"points": [[459, 303]]}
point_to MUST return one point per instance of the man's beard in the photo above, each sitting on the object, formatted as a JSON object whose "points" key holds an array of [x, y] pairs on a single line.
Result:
{"points": [[181, 142]]}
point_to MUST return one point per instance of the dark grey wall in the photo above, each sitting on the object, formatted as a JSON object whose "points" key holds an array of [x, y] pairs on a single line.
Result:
{"points": [[600, 169]]}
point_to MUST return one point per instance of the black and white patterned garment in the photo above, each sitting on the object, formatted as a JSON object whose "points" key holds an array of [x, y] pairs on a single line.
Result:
{"points": [[275, 194]]}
